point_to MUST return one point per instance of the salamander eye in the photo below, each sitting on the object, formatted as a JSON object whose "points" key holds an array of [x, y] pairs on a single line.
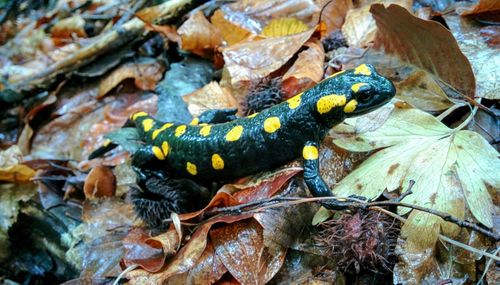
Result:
{"points": [[364, 97]]}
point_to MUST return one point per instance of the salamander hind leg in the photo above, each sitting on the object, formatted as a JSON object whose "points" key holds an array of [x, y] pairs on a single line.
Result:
{"points": [[312, 177]]}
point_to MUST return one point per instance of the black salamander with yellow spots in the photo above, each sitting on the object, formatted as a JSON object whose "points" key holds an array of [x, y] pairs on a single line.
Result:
{"points": [[217, 146]]}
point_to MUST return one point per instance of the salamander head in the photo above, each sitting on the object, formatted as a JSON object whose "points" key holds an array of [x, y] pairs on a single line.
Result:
{"points": [[351, 93]]}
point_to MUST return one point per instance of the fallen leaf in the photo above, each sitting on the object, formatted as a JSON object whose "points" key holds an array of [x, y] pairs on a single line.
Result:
{"points": [[207, 270], [62, 32], [11, 167], [450, 169], [306, 71], [334, 13], [283, 27], [422, 91], [484, 58], [100, 182], [198, 35], [258, 13], [252, 61], [481, 7], [240, 247], [359, 28], [187, 256], [230, 32], [209, 97], [439, 53], [145, 72], [149, 252]]}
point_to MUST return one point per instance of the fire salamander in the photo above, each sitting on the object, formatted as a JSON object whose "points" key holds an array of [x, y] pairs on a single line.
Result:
{"points": [[218, 146]]}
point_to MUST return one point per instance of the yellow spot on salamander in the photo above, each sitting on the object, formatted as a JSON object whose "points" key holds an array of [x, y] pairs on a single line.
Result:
{"points": [[106, 142], [195, 122], [355, 87], [191, 168], [158, 153], [272, 124], [310, 152], [165, 148], [363, 70], [147, 124], [205, 131], [158, 131], [327, 103], [351, 106], [137, 115], [180, 130], [253, 115], [234, 134], [217, 162], [294, 102]]}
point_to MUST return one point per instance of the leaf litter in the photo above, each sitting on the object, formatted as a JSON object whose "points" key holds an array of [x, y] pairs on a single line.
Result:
{"points": [[247, 234]]}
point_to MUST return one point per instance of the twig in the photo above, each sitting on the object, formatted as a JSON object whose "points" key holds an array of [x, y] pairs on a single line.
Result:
{"points": [[104, 43]]}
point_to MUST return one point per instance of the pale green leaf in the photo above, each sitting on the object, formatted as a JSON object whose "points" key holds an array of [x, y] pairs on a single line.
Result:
{"points": [[450, 169]]}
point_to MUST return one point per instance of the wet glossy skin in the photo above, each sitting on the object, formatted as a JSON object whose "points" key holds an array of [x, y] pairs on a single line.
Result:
{"points": [[263, 141]]}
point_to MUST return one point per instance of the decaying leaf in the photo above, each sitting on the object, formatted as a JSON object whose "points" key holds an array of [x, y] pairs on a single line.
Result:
{"points": [[483, 56], [359, 28], [11, 167], [450, 168], [240, 247], [334, 13], [251, 61], [198, 35], [422, 91], [149, 252], [66, 28], [100, 182], [439, 53], [230, 32], [306, 71], [210, 96], [481, 7], [145, 72]]}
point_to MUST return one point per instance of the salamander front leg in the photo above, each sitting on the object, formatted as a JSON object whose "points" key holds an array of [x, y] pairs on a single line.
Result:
{"points": [[312, 177], [218, 116]]}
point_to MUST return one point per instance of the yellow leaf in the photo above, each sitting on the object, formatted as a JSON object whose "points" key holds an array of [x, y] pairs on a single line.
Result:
{"points": [[284, 27]]}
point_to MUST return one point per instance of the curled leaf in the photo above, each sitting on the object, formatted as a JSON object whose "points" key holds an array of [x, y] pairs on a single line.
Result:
{"points": [[100, 182], [198, 35]]}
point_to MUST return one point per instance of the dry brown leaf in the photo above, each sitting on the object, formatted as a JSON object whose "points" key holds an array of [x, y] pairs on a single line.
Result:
{"points": [[401, 33], [422, 91], [100, 182], [198, 35], [210, 96], [145, 74], [11, 167], [257, 13], [231, 32], [186, 258], [334, 14], [359, 27], [240, 247], [481, 7], [66, 28], [252, 61], [306, 71]]}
